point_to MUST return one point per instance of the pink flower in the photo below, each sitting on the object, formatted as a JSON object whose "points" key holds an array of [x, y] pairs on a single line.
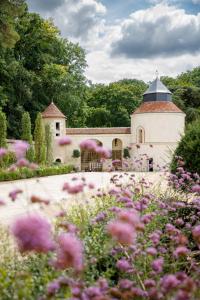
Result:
{"points": [[196, 189], [151, 251], [169, 282], [20, 148], [88, 145], [53, 287], [69, 252], [73, 189], [103, 152], [3, 152], [157, 265], [181, 251], [22, 162], [2, 202], [33, 233], [65, 140], [13, 194], [122, 232], [123, 265], [196, 234]]}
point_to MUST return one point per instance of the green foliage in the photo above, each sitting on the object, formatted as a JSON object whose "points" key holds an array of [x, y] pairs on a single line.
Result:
{"points": [[24, 173], [76, 153], [189, 149], [48, 141], [26, 135], [126, 153], [39, 139], [186, 92], [10, 10], [112, 105], [3, 129]]}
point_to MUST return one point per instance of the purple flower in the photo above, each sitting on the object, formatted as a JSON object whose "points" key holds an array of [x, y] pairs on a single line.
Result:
{"points": [[13, 194], [122, 232], [33, 233], [157, 265], [123, 265], [73, 189], [3, 152], [65, 140], [151, 251], [169, 282], [196, 189], [181, 251], [88, 145], [20, 149], [53, 287], [69, 252], [196, 234]]}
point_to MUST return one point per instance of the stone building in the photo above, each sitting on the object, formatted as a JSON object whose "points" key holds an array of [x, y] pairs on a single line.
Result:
{"points": [[156, 129]]}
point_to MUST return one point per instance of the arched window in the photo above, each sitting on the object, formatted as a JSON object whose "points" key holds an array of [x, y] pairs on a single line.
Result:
{"points": [[58, 161], [140, 135]]}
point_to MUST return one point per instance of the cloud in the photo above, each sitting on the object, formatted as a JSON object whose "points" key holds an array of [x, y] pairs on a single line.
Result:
{"points": [[161, 30], [196, 1]]}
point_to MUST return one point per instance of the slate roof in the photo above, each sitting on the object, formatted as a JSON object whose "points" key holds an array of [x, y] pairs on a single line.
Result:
{"points": [[157, 87]]}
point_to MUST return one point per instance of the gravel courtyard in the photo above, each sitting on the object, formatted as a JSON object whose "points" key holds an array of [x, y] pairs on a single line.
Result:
{"points": [[50, 188]]}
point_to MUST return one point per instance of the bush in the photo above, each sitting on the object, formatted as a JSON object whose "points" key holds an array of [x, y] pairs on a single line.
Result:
{"points": [[76, 153], [126, 153], [188, 149], [23, 173]]}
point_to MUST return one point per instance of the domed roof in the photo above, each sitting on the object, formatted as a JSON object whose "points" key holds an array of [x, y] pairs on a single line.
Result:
{"points": [[52, 111], [157, 87]]}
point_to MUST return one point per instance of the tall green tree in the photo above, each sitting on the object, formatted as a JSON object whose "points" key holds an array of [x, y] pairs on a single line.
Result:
{"points": [[189, 149], [27, 135], [3, 129], [39, 139], [10, 10], [48, 140]]}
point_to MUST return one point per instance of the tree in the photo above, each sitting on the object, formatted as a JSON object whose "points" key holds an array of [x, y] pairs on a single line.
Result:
{"points": [[10, 10], [188, 149], [39, 138], [26, 135], [3, 129], [48, 140]]}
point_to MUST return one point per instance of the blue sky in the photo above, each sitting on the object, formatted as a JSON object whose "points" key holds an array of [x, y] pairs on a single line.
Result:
{"points": [[129, 38]]}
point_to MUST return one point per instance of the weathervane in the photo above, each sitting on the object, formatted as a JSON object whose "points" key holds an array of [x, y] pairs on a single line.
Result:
{"points": [[157, 74]]}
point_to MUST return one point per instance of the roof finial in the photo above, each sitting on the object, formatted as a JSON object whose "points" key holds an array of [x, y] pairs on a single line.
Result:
{"points": [[157, 74]]}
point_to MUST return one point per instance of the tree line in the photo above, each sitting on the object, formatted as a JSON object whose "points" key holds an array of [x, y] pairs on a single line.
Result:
{"points": [[38, 66], [40, 151]]}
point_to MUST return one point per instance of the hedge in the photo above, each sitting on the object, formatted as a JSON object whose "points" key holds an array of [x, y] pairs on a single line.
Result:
{"points": [[24, 173]]}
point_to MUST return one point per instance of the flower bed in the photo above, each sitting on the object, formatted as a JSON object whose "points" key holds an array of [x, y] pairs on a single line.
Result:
{"points": [[127, 244]]}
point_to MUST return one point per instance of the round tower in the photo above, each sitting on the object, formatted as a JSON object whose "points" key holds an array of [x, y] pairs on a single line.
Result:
{"points": [[57, 121], [156, 127]]}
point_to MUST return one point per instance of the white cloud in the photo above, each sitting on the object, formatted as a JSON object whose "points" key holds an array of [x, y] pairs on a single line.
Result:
{"points": [[79, 20], [161, 30]]}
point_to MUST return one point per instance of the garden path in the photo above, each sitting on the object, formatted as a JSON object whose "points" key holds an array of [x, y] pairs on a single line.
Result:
{"points": [[50, 188]]}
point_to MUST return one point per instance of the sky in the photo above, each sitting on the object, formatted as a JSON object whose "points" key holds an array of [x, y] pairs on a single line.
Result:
{"points": [[129, 38]]}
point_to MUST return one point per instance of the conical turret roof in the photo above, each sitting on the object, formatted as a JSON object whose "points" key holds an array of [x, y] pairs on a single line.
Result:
{"points": [[157, 87], [52, 111]]}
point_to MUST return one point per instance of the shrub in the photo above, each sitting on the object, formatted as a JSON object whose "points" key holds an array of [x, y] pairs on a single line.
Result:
{"points": [[188, 149], [3, 129], [76, 153], [126, 153], [39, 138], [23, 173]]}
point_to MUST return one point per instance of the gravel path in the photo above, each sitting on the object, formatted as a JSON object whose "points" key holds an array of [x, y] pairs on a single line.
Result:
{"points": [[50, 188]]}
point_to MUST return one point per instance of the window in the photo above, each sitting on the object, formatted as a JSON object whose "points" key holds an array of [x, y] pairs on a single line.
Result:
{"points": [[57, 126], [140, 134]]}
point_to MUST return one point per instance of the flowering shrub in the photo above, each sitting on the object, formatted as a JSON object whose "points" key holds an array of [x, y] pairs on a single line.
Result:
{"points": [[126, 243]]}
